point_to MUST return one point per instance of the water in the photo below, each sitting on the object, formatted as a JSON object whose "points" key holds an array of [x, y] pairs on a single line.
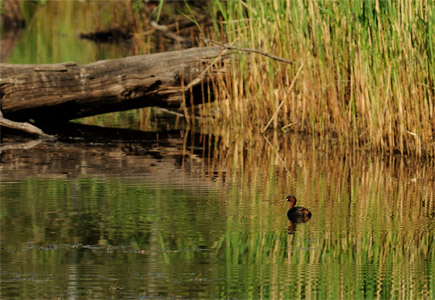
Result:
{"points": [[83, 221], [171, 212]]}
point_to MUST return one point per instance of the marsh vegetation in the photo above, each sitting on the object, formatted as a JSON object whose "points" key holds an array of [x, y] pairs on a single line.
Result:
{"points": [[189, 203], [366, 71]]}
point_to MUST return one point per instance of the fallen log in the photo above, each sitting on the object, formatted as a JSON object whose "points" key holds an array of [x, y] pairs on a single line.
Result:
{"points": [[65, 91]]}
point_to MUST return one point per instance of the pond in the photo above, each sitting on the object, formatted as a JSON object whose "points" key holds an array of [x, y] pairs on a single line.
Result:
{"points": [[160, 210], [86, 219]]}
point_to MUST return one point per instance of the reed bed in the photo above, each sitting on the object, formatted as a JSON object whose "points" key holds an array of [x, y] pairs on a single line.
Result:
{"points": [[366, 71]]}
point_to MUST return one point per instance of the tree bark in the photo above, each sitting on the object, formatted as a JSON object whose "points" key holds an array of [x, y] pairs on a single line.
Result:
{"points": [[65, 91]]}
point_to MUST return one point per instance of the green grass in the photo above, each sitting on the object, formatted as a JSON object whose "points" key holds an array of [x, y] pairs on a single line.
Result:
{"points": [[367, 76]]}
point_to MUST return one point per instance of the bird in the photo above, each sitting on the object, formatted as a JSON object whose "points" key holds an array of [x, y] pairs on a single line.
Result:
{"points": [[297, 213]]}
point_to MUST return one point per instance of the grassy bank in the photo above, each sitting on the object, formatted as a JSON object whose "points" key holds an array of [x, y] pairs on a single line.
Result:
{"points": [[366, 71]]}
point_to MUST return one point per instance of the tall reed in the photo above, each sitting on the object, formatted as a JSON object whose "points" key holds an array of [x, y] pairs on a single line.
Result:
{"points": [[367, 70]]}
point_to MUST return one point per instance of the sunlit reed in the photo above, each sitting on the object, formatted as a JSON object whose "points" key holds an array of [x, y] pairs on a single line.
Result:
{"points": [[367, 76]]}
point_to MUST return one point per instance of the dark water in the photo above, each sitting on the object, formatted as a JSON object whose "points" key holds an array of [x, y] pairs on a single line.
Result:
{"points": [[171, 212]]}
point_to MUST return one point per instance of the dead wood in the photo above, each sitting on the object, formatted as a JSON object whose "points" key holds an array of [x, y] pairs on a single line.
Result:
{"points": [[23, 126], [166, 31], [111, 35], [61, 92], [249, 50]]}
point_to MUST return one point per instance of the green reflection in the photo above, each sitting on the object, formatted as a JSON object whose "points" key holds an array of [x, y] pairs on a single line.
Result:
{"points": [[52, 32], [154, 239]]}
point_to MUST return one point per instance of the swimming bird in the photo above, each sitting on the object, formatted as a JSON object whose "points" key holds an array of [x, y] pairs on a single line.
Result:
{"points": [[297, 212]]}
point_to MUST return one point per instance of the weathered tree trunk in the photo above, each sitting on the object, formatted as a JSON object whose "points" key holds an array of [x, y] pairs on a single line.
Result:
{"points": [[66, 91]]}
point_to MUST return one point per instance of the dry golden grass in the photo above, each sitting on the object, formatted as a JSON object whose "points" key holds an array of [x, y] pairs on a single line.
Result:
{"points": [[367, 71]]}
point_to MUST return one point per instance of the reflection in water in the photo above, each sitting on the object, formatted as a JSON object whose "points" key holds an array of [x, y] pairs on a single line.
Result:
{"points": [[296, 220], [143, 217], [55, 28]]}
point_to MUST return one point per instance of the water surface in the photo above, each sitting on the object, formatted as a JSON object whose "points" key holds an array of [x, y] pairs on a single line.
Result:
{"points": [[83, 220]]}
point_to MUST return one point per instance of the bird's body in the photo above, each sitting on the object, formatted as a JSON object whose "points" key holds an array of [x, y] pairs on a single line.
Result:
{"points": [[296, 212]]}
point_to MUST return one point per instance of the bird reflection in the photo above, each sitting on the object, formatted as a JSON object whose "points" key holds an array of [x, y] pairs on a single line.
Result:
{"points": [[296, 220]]}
